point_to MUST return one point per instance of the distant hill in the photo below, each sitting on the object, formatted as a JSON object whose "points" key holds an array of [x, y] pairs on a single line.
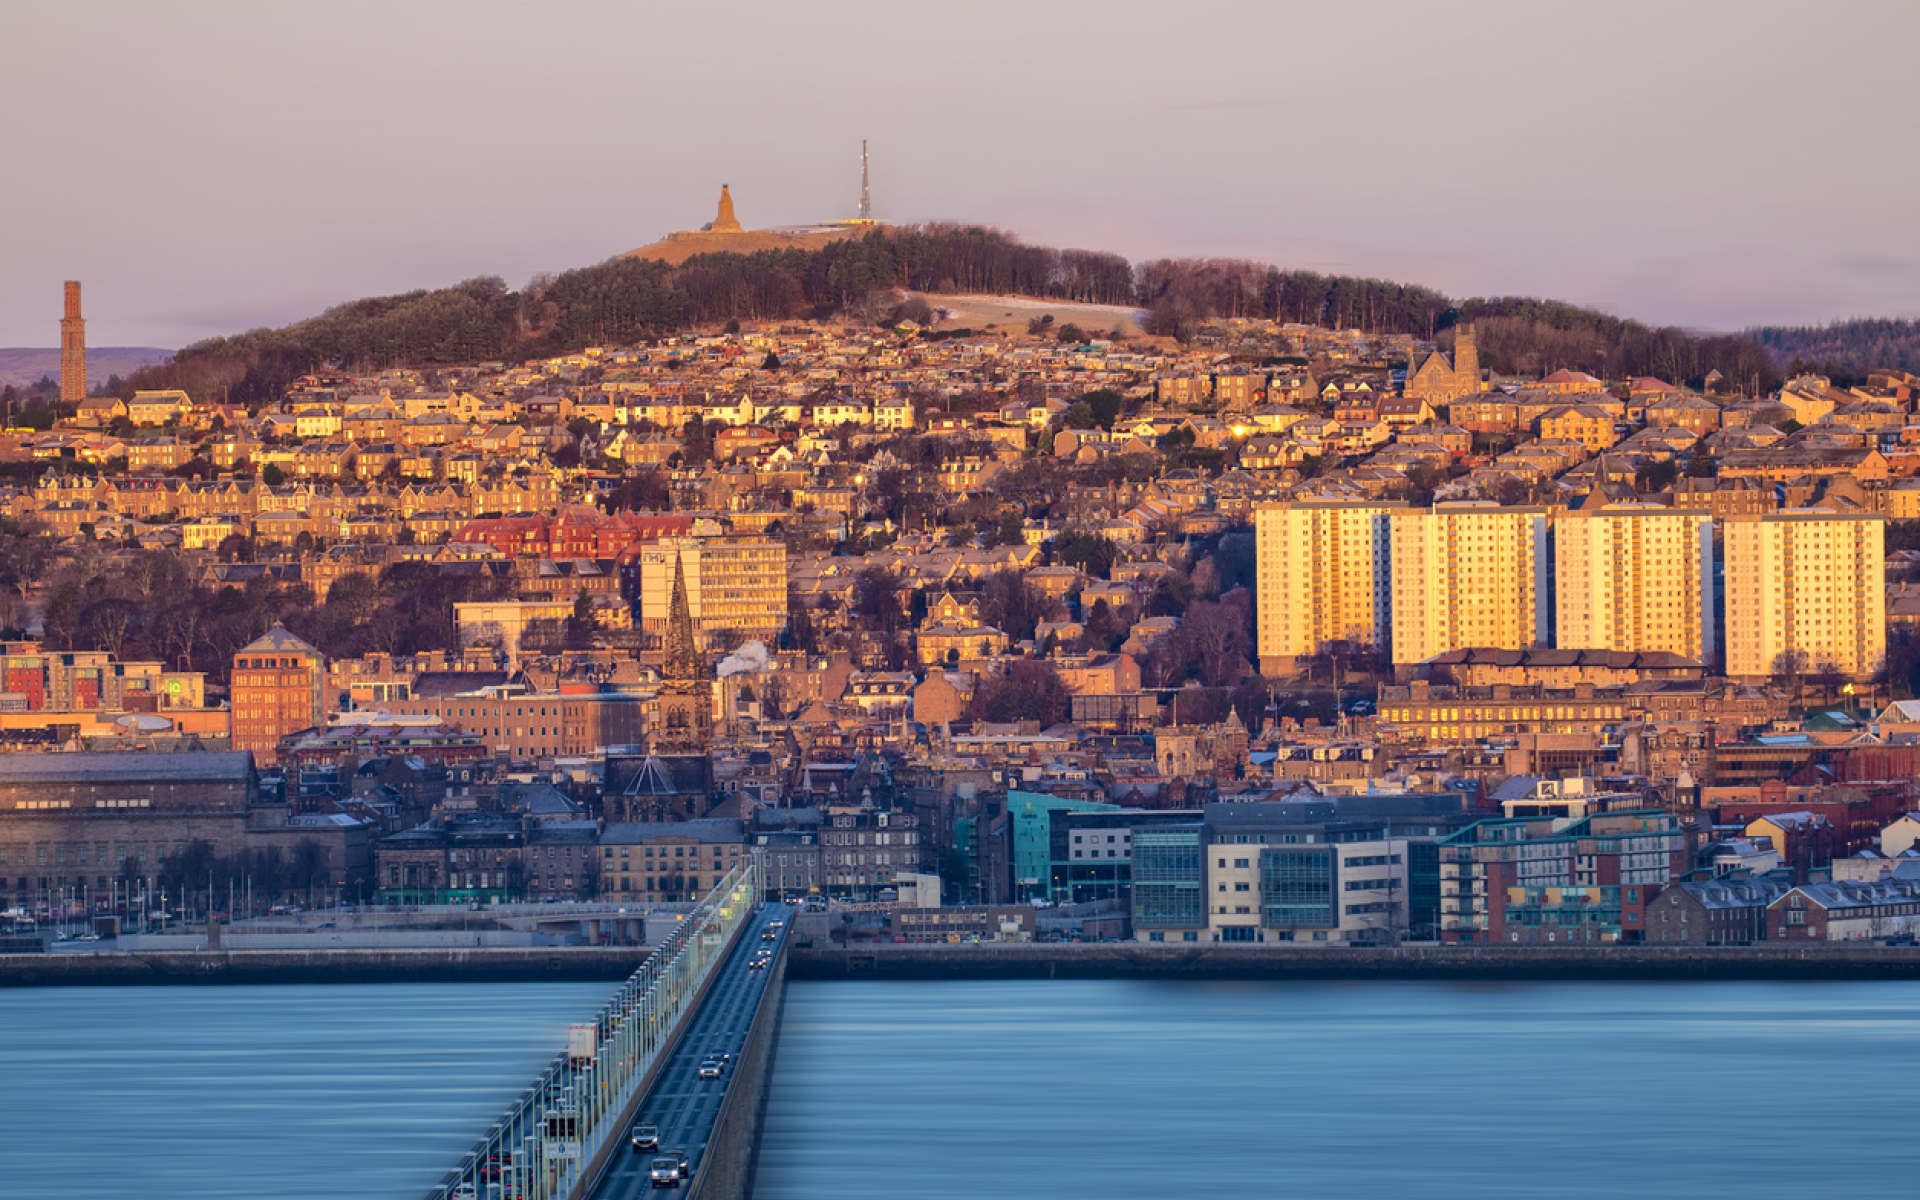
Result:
{"points": [[21, 367], [637, 297], [1847, 349]]}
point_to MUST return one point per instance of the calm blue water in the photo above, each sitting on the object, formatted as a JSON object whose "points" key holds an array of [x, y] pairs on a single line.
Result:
{"points": [[291, 1092], [1058, 1090], [1305, 1091]]}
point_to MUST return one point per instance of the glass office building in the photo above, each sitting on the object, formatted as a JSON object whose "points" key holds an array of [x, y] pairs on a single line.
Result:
{"points": [[1169, 880], [1297, 887]]}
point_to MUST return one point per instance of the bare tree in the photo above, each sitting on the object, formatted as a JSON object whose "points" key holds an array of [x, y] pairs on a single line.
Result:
{"points": [[1789, 668], [1830, 678]]}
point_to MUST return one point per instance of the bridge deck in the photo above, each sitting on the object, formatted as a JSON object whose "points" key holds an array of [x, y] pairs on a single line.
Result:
{"points": [[683, 1105]]}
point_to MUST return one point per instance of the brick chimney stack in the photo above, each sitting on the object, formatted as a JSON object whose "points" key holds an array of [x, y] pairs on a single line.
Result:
{"points": [[73, 350]]}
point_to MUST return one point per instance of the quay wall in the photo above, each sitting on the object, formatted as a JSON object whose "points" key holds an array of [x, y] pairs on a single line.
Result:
{"points": [[450, 965], [1213, 961], [984, 961]]}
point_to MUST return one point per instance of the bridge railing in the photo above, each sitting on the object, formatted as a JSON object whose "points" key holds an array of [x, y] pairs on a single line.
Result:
{"points": [[544, 1144]]}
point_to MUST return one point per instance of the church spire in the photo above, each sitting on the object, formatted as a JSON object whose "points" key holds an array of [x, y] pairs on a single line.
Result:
{"points": [[683, 651]]}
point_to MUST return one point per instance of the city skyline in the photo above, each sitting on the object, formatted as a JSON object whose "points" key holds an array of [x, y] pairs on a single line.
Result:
{"points": [[1652, 176]]}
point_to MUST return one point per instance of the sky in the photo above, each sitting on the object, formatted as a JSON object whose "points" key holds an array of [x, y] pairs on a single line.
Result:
{"points": [[207, 167]]}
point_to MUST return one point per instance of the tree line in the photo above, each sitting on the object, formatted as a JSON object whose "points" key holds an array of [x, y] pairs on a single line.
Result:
{"points": [[1844, 350], [154, 605]]}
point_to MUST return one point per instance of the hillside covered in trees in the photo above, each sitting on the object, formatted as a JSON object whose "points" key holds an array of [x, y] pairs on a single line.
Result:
{"points": [[1845, 350], [623, 301]]}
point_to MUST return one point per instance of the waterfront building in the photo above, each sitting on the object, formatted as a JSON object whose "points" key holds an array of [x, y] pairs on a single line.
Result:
{"points": [[1268, 873], [1033, 839], [1805, 587], [1471, 574], [1635, 577], [79, 825], [1170, 883], [279, 687], [465, 857], [1721, 912], [865, 848], [76, 823], [669, 861], [1092, 850], [1844, 911], [790, 852], [1324, 571], [562, 860], [1563, 873]]}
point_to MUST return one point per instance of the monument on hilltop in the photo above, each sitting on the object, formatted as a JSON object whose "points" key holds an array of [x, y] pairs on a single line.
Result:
{"points": [[725, 222], [726, 235]]}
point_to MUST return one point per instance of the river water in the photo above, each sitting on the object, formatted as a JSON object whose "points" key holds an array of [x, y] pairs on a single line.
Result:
{"points": [[1056, 1090], [287, 1092], [1340, 1091]]}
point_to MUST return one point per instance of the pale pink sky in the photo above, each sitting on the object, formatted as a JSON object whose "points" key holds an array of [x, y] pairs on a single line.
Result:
{"points": [[205, 167]]}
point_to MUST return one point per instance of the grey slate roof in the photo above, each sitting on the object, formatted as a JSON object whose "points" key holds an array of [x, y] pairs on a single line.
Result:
{"points": [[720, 830], [277, 639], [187, 766]]}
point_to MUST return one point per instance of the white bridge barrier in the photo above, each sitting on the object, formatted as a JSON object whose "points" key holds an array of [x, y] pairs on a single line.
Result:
{"points": [[542, 1146]]}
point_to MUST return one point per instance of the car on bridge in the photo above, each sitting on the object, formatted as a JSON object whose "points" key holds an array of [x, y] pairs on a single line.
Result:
{"points": [[712, 1068], [667, 1170], [645, 1139]]}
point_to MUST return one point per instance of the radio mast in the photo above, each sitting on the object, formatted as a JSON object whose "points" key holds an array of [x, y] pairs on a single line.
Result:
{"points": [[866, 196]]}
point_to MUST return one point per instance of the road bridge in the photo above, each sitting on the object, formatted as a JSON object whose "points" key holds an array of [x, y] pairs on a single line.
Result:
{"points": [[708, 989]]}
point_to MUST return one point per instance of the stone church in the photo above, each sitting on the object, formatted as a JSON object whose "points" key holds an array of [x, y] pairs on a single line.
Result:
{"points": [[1440, 381]]}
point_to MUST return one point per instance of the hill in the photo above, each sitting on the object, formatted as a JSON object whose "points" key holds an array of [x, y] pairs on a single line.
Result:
{"points": [[631, 299], [21, 367]]}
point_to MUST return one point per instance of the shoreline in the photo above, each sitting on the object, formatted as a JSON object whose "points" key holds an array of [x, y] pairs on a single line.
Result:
{"points": [[242, 967], [986, 961], [1218, 962]]}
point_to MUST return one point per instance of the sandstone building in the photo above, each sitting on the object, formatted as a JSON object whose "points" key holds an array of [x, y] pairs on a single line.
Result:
{"points": [[1806, 581], [279, 687], [1324, 575], [1464, 575], [1635, 577]]}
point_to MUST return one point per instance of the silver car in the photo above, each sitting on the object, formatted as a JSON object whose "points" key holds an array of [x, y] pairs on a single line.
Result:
{"points": [[664, 1171]]}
